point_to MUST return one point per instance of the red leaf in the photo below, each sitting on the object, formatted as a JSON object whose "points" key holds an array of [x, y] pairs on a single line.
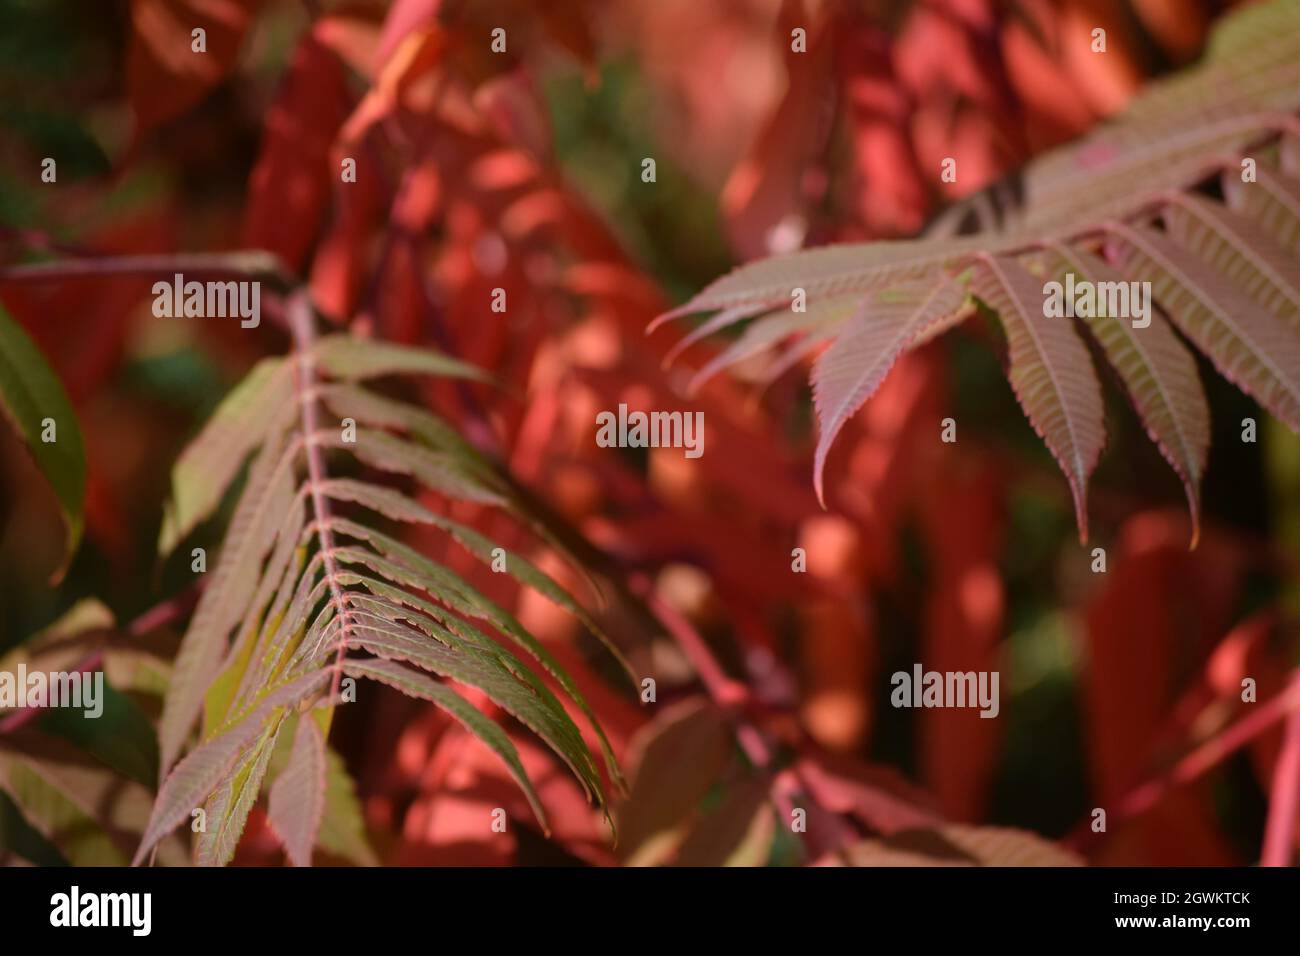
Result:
{"points": [[964, 614], [290, 185], [765, 199], [164, 75]]}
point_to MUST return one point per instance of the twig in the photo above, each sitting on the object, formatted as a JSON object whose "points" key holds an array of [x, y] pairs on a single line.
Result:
{"points": [[1147, 795], [247, 264], [157, 616], [302, 324], [1279, 832], [735, 699]]}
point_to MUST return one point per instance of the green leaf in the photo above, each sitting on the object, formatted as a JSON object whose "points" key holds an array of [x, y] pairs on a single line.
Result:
{"points": [[470, 602], [443, 472], [343, 829], [61, 821], [297, 802], [768, 330], [399, 507], [1160, 376], [202, 771], [414, 684], [525, 700], [208, 465], [91, 812], [293, 593], [1240, 249], [827, 273], [1251, 348], [678, 758], [1224, 274], [266, 499], [349, 358], [1272, 201], [738, 832], [1050, 373], [353, 401], [121, 736], [227, 809], [31, 395], [849, 372], [20, 838], [958, 845]]}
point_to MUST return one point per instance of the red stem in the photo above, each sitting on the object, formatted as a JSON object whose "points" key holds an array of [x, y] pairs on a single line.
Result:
{"points": [[302, 325], [1279, 833], [157, 616], [249, 264], [1147, 795], [734, 698]]}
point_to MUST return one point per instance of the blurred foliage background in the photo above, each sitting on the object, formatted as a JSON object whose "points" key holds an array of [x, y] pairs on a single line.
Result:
{"points": [[527, 175]]}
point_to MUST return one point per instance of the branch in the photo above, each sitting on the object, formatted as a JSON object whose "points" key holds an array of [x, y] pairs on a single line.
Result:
{"points": [[302, 325], [160, 615], [1284, 802], [245, 264], [1203, 758], [734, 699]]}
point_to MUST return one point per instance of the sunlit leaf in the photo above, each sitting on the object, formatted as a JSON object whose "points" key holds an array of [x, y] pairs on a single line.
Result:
{"points": [[37, 407]]}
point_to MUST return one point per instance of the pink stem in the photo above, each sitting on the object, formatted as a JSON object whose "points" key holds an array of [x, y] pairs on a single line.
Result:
{"points": [[1147, 795], [302, 325], [733, 697], [1279, 833], [250, 264], [157, 616]]}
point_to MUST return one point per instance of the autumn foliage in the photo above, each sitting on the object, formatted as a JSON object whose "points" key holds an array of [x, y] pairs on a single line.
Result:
{"points": [[517, 174]]}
